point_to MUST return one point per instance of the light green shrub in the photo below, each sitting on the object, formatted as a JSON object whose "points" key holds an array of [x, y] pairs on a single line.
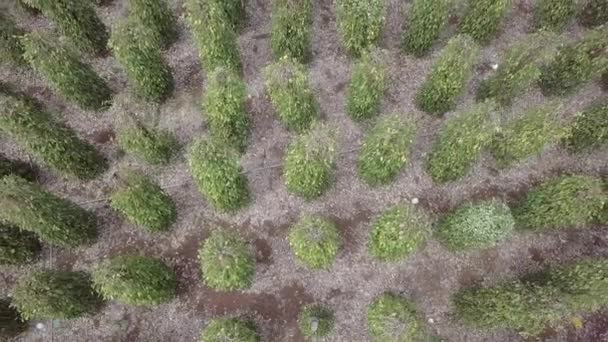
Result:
{"points": [[448, 77], [16, 167], [315, 241], [392, 318], [225, 108], [11, 50], [233, 10], [554, 15], [584, 284], [460, 142], [483, 18], [226, 262], [291, 94], [589, 129], [291, 29], [156, 17], [151, 145], [230, 329], [315, 321], [360, 23], [367, 86], [11, 323], [426, 20], [17, 247], [594, 13]]}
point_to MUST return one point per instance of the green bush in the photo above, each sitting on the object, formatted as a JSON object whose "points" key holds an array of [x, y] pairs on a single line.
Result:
{"points": [[17, 247], [519, 70], [589, 129], [385, 150], [360, 23], [460, 142], [63, 69], [16, 167], [225, 107], [554, 15], [54, 295], [315, 321], [144, 203], [291, 94], [135, 280], [156, 16], [291, 29], [479, 225], [51, 142], [77, 20], [11, 50], [448, 77], [315, 241], [233, 10], [226, 262], [142, 60], [483, 18], [527, 135], [392, 318], [594, 13], [309, 163], [563, 202], [397, 233], [426, 20], [11, 323], [151, 145], [214, 33], [367, 86], [218, 174], [584, 285], [55, 220], [230, 329]]}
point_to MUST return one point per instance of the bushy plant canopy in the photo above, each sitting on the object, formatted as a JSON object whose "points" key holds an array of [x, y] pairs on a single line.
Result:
{"points": [[594, 13], [17, 246], [315, 321], [230, 329], [360, 23], [483, 18], [426, 21], [11, 50], [11, 322], [292, 29], [152, 145], [155, 16], [16, 167], [315, 241], [589, 128], [367, 86], [392, 318]]}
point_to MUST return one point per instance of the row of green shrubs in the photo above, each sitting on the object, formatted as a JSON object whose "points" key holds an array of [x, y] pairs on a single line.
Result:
{"points": [[557, 14]]}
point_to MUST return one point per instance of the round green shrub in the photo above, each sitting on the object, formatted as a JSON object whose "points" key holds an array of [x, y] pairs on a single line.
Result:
{"points": [[17, 247], [144, 203], [584, 285], [483, 18], [218, 175], [448, 77], [360, 23], [16, 167], [563, 202], [426, 21], [291, 29], [315, 321], [397, 233], [291, 95], [589, 129], [55, 220], [479, 225], [225, 108], [11, 323], [230, 329], [385, 150], [226, 262], [11, 50], [55, 144], [315, 241], [460, 142], [151, 145], [392, 318], [75, 80], [554, 14], [54, 295], [594, 13], [309, 163], [156, 16], [135, 280], [367, 86]]}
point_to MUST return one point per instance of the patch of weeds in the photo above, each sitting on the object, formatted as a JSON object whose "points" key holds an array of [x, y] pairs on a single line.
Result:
{"points": [[392, 318], [16, 167], [315, 241], [483, 18], [554, 15], [360, 23], [151, 145], [11, 50], [594, 13], [315, 321], [230, 329], [11, 323], [426, 21], [17, 247], [367, 86], [589, 129], [156, 17], [291, 29]]}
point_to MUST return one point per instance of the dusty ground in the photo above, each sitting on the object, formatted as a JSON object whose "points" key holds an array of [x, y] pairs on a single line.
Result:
{"points": [[429, 278]]}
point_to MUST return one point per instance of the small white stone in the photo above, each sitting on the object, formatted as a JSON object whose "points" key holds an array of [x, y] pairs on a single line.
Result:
{"points": [[415, 200], [494, 66], [39, 326], [431, 320]]}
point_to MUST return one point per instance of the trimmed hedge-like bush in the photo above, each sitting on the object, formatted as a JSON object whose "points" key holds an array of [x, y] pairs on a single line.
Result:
{"points": [[309, 163], [139, 55], [527, 135], [315, 241], [155, 16], [144, 203], [398, 232], [11, 50], [291, 94], [225, 108], [564, 202], [151, 145], [16, 167], [594, 13], [427, 18], [11, 323], [483, 18], [392, 318], [589, 129], [51, 142], [77, 20], [479, 225], [226, 262], [315, 321], [218, 175], [17, 247], [233, 10], [55, 220], [135, 280], [367, 86], [75, 80], [385, 150], [54, 295], [291, 29], [448, 77], [230, 329], [360, 23], [554, 15], [460, 142]]}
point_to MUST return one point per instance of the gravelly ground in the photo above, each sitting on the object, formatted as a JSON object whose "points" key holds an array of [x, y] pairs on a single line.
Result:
{"points": [[429, 278]]}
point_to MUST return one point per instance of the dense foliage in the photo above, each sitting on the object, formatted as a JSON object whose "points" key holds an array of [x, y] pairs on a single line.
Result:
{"points": [[230, 329], [315, 241], [589, 129], [360, 23], [17, 246], [11, 322], [594, 13], [392, 318], [155, 16], [367, 86], [554, 14], [16, 167], [152, 145], [426, 21], [315, 321], [483, 18], [11, 50], [292, 29]]}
